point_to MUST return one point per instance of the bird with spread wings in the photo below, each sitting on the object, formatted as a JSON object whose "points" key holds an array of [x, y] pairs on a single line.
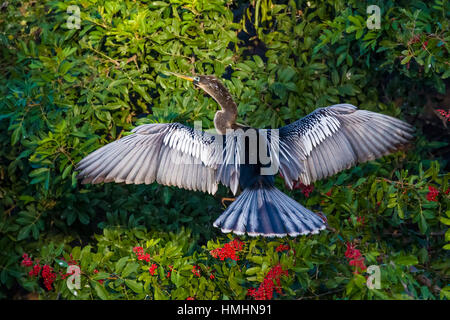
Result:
{"points": [[321, 144]]}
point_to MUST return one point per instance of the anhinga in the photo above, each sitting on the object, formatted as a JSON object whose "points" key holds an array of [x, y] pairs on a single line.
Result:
{"points": [[317, 146]]}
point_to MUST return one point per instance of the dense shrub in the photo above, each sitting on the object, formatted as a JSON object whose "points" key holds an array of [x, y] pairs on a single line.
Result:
{"points": [[65, 92]]}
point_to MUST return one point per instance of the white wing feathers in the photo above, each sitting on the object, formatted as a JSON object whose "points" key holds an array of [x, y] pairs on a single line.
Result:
{"points": [[335, 138], [171, 154], [319, 145]]}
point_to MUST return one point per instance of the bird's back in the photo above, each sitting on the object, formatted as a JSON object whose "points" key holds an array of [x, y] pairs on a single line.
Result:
{"points": [[250, 170]]}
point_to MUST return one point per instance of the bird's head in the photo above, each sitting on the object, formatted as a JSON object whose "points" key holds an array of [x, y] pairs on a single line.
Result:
{"points": [[225, 118], [210, 84]]}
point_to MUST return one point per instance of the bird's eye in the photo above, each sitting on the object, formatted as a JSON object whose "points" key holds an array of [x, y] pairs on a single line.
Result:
{"points": [[196, 80]]}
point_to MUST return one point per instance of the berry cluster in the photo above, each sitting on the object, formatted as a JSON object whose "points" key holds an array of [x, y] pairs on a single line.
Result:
{"points": [[359, 220], [47, 273], [139, 251], [35, 271], [355, 257], [265, 289], [445, 114], [306, 190], [432, 193], [170, 271], [282, 248], [196, 271], [152, 269], [229, 250], [26, 262], [49, 276]]}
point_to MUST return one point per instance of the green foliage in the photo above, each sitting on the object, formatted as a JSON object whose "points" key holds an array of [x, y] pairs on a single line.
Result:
{"points": [[66, 92]]}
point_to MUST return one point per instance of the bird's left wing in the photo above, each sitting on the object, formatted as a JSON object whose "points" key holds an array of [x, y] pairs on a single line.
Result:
{"points": [[335, 138], [170, 153]]}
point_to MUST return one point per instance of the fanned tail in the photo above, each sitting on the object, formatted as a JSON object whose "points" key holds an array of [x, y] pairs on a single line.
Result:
{"points": [[266, 211]]}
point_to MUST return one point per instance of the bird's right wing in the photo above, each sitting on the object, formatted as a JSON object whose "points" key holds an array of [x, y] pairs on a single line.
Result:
{"points": [[170, 153], [335, 138]]}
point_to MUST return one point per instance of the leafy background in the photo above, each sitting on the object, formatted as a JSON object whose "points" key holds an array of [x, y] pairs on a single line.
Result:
{"points": [[66, 92]]}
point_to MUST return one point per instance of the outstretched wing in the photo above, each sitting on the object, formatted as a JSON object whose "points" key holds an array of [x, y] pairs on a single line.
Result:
{"points": [[171, 154], [335, 138]]}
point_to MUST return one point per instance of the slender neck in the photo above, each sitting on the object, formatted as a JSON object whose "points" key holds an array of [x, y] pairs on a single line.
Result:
{"points": [[225, 101], [225, 118]]}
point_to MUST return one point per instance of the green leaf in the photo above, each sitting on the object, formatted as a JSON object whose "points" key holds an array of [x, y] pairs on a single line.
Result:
{"points": [[142, 93], [38, 172], [129, 269], [27, 198], [66, 171], [116, 83], [423, 225], [24, 233], [83, 217], [120, 264], [359, 182], [252, 271], [400, 211], [159, 295], [406, 59], [259, 62], [16, 135], [134, 285], [341, 58], [100, 276], [406, 260], [100, 290]]}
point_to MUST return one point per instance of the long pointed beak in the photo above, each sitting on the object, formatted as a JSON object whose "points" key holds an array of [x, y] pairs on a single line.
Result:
{"points": [[191, 79]]}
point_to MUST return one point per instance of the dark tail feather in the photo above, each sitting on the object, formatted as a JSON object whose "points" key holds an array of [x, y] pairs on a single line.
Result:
{"points": [[268, 212]]}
